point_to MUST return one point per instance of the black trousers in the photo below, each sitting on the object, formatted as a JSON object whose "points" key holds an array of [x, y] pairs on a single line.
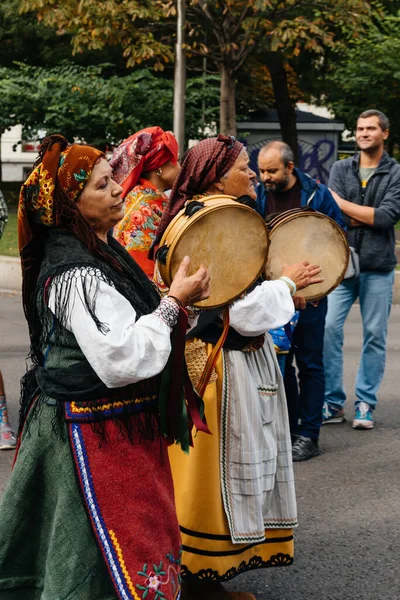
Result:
{"points": [[305, 404]]}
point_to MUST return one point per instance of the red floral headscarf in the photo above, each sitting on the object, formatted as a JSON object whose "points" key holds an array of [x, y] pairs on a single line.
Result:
{"points": [[69, 167], [146, 150]]}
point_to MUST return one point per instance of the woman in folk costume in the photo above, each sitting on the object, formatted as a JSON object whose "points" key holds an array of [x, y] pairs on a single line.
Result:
{"points": [[145, 165], [89, 509], [235, 492]]}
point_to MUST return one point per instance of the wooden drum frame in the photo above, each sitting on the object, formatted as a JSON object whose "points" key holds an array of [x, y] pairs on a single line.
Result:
{"points": [[306, 234], [227, 237]]}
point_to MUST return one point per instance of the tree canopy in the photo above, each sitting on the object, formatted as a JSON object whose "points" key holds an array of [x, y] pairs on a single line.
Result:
{"points": [[367, 75], [258, 51], [229, 33], [83, 104]]}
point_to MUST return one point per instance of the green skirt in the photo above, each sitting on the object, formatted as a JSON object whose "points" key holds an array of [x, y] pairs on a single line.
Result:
{"points": [[48, 549]]}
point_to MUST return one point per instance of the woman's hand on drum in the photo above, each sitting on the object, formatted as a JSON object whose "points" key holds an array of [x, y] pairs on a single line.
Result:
{"points": [[194, 288], [303, 274]]}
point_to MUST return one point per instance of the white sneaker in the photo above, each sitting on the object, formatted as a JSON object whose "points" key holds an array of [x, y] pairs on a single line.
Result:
{"points": [[363, 417], [8, 440]]}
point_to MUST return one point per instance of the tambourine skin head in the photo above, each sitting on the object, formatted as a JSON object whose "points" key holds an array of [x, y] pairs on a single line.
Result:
{"points": [[228, 238], [298, 235]]}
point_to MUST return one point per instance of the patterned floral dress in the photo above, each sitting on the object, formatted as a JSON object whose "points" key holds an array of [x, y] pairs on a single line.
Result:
{"points": [[136, 231]]}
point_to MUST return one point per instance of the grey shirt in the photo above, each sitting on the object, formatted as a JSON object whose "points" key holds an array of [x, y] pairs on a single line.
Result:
{"points": [[365, 173], [375, 244]]}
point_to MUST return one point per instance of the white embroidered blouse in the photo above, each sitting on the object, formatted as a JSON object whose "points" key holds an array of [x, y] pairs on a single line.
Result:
{"points": [[135, 349]]}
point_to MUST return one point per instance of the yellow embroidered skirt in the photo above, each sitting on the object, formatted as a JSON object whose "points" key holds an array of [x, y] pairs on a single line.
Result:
{"points": [[208, 552]]}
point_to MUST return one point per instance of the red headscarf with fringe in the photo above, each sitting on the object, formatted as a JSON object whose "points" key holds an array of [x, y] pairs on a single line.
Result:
{"points": [[144, 151]]}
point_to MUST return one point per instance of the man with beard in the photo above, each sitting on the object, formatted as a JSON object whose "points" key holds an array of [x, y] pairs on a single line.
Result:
{"points": [[367, 189], [286, 187]]}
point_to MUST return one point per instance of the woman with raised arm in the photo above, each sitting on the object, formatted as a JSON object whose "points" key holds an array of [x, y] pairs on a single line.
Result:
{"points": [[89, 509], [235, 491]]}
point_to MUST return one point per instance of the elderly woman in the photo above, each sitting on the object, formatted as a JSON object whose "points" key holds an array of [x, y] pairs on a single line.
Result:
{"points": [[89, 510], [235, 492], [146, 164]]}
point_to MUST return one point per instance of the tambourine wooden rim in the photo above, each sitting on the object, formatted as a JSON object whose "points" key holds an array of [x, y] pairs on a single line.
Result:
{"points": [[298, 213], [182, 223]]}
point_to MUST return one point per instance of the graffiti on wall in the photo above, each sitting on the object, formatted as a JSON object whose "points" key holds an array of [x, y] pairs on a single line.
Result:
{"points": [[314, 159]]}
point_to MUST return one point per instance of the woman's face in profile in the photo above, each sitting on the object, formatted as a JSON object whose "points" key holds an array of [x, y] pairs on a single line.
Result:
{"points": [[100, 201], [240, 179], [169, 173]]}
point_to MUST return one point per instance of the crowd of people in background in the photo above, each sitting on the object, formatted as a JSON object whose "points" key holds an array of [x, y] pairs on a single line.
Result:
{"points": [[99, 436]]}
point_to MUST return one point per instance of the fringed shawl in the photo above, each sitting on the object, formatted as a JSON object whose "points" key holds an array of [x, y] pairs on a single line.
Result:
{"points": [[63, 255]]}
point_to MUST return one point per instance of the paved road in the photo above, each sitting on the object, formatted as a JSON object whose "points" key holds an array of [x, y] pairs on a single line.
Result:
{"points": [[347, 543]]}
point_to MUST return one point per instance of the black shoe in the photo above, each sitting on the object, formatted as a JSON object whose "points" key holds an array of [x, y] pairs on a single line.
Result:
{"points": [[304, 448]]}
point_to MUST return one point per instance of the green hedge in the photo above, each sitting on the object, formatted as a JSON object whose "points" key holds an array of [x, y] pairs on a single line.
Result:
{"points": [[10, 191], [9, 241]]}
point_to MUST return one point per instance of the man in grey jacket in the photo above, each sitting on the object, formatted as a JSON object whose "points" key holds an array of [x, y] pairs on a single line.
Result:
{"points": [[367, 189]]}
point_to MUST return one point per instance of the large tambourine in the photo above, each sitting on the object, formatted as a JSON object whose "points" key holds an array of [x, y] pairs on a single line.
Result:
{"points": [[305, 234], [227, 237]]}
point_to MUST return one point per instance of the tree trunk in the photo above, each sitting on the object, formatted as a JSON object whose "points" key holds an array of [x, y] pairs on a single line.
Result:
{"points": [[227, 112], [284, 106]]}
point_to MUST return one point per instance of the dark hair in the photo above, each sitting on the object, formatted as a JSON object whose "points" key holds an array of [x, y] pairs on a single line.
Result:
{"points": [[372, 112], [285, 150]]}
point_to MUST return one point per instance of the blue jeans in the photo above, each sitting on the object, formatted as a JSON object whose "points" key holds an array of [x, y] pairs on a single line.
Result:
{"points": [[281, 358], [305, 408], [375, 291]]}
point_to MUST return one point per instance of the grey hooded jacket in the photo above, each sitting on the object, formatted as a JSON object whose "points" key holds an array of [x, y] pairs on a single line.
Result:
{"points": [[375, 245]]}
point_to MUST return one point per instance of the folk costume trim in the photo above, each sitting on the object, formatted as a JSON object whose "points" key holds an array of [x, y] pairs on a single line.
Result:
{"points": [[75, 411], [240, 550], [102, 535], [155, 579], [225, 403], [256, 562], [168, 311], [158, 580]]}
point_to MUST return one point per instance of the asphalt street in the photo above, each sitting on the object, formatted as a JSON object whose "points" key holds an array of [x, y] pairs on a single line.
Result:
{"points": [[347, 542]]}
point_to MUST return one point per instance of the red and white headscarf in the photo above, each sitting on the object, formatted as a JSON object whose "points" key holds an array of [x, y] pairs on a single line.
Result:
{"points": [[146, 150]]}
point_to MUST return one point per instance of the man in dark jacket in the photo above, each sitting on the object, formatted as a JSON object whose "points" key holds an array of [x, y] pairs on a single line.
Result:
{"points": [[367, 189], [284, 188]]}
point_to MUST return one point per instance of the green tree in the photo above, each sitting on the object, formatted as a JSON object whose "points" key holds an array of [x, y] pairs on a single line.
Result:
{"points": [[230, 32], [138, 27], [274, 32], [13, 102], [24, 38], [367, 75], [81, 103]]}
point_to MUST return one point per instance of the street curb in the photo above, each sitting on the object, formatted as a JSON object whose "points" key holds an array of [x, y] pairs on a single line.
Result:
{"points": [[10, 277]]}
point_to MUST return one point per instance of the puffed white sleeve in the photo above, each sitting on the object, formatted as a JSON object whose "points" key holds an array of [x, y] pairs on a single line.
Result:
{"points": [[126, 350], [268, 306]]}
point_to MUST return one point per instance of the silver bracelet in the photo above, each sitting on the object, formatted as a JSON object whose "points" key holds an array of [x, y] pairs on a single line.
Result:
{"points": [[291, 284]]}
